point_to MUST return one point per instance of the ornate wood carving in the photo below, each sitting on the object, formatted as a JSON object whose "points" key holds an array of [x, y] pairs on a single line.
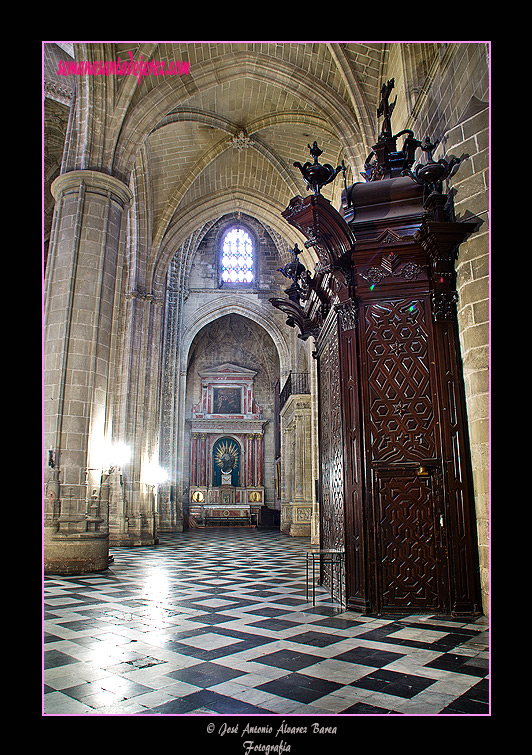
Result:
{"points": [[348, 314], [400, 412], [356, 556], [407, 542], [390, 266], [309, 297], [331, 443], [324, 227], [296, 316], [396, 481], [459, 514]]}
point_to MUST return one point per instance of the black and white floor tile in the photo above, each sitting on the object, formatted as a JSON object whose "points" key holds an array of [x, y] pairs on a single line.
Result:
{"points": [[217, 622]]}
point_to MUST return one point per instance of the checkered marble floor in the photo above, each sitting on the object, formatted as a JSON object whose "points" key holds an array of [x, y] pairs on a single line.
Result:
{"points": [[217, 622]]}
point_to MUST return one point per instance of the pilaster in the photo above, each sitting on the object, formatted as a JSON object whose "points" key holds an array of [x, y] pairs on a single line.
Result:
{"points": [[296, 465]]}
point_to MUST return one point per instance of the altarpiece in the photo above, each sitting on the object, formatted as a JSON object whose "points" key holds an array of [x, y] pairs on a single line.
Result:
{"points": [[227, 448]]}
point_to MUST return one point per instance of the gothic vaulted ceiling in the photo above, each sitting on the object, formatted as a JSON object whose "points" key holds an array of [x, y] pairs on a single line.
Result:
{"points": [[220, 135]]}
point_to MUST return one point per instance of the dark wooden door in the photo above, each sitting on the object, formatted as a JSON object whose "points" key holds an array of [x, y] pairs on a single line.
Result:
{"points": [[409, 541]]}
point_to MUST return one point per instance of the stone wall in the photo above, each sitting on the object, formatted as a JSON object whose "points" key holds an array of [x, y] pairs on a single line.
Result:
{"points": [[471, 203]]}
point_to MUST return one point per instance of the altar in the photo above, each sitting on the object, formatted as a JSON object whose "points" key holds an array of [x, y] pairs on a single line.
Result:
{"points": [[228, 515], [227, 449]]}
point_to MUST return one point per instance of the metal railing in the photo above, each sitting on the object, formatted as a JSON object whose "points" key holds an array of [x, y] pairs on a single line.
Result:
{"points": [[296, 383]]}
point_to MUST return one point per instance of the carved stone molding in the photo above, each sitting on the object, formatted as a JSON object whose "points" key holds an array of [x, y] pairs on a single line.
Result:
{"points": [[94, 181], [58, 92], [304, 513], [241, 141], [142, 296]]}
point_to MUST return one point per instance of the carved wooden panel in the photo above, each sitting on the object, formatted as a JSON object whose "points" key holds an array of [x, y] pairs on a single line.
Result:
{"points": [[458, 474], [401, 415], [331, 456], [408, 534], [355, 557]]}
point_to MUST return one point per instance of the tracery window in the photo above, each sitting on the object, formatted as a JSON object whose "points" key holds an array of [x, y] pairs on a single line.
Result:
{"points": [[237, 257]]}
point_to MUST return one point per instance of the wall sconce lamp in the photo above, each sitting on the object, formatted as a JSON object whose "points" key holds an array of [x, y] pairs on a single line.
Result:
{"points": [[155, 475], [119, 454]]}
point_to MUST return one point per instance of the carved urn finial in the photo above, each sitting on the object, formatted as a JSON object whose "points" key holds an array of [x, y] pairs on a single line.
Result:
{"points": [[432, 173], [317, 175]]}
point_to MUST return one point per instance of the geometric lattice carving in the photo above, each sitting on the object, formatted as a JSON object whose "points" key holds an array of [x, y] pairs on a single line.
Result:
{"points": [[332, 468], [407, 542], [400, 395]]}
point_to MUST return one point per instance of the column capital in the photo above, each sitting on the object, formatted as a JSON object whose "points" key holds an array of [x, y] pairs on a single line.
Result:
{"points": [[94, 180]]}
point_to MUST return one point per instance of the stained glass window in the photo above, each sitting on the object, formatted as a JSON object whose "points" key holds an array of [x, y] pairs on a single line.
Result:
{"points": [[237, 257]]}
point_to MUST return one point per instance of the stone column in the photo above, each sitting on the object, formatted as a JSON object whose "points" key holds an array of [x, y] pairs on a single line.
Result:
{"points": [[286, 476], [259, 459], [250, 461], [313, 451], [136, 422], [85, 255], [203, 459], [302, 500], [194, 460]]}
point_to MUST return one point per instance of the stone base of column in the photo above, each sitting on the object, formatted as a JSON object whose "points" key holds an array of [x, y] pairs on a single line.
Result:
{"points": [[296, 519], [169, 518], [299, 530], [177, 527], [132, 540], [75, 554], [286, 518], [134, 532], [315, 526]]}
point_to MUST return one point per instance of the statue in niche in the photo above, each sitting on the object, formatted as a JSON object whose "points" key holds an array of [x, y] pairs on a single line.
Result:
{"points": [[226, 456], [227, 462]]}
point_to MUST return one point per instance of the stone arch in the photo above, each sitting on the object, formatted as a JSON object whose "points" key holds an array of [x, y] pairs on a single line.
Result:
{"points": [[187, 220], [232, 303], [188, 382]]}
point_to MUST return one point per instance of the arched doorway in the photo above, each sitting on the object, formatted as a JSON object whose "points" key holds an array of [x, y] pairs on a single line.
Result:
{"points": [[233, 367]]}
